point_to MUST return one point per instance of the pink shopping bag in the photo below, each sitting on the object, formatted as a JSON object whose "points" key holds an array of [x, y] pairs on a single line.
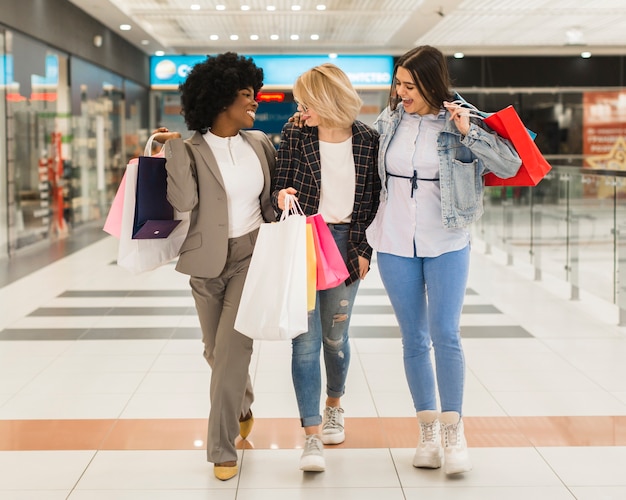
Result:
{"points": [[331, 269], [113, 223]]}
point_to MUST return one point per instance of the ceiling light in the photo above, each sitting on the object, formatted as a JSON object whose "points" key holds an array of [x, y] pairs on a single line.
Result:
{"points": [[332, 55], [220, 7], [294, 37], [271, 8], [574, 36], [254, 37], [125, 27], [321, 7], [159, 53], [234, 37], [585, 55], [315, 37], [245, 7], [145, 42], [194, 6], [459, 55], [274, 37], [214, 37], [295, 7]]}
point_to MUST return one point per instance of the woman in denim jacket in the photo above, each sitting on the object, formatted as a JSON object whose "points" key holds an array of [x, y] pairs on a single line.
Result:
{"points": [[431, 161]]}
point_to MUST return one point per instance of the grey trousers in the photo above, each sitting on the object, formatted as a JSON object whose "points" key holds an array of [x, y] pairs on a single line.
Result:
{"points": [[227, 351]]}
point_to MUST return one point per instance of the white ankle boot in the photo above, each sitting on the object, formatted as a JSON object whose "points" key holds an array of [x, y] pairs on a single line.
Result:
{"points": [[429, 452], [454, 445]]}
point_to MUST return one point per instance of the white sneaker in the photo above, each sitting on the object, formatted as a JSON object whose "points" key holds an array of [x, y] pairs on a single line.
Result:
{"points": [[455, 448], [312, 459], [332, 426], [429, 451]]}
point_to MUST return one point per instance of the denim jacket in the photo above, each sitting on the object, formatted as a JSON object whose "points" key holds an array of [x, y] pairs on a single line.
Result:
{"points": [[462, 163]]}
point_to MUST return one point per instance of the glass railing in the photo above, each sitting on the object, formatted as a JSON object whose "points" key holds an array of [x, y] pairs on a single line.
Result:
{"points": [[572, 226]]}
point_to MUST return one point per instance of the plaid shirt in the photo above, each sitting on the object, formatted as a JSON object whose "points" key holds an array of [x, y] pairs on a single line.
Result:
{"points": [[298, 166]]}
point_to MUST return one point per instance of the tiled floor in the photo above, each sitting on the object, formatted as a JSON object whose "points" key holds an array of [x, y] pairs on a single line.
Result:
{"points": [[103, 394]]}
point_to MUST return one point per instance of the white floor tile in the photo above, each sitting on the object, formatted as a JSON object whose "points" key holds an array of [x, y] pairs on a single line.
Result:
{"points": [[557, 403], [63, 406], [173, 494], [364, 468], [320, 494], [176, 382], [150, 470], [103, 363], [492, 467], [116, 348], [167, 405], [42, 470], [451, 492], [588, 466], [34, 494], [94, 383], [599, 492], [180, 363]]}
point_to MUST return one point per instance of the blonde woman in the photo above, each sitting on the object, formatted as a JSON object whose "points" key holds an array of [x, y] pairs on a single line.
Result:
{"points": [[329, 164]]}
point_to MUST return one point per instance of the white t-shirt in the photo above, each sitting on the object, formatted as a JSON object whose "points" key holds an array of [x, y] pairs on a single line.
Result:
{"points": [[338, 182], [243, 180]]}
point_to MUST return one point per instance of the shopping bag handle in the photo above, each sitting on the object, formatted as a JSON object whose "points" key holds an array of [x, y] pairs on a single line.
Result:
{"points": [[147, 151], [473, 111], [292, 207]]}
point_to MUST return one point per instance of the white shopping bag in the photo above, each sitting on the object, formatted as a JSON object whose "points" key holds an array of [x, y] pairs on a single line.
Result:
{"points": [[140, 255], [273, 304]]}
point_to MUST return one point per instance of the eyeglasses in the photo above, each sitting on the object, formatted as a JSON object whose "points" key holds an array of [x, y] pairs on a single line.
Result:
{"points": [[304, 107]]}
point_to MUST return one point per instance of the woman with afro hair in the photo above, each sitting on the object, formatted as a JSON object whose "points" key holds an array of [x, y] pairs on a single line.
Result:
{"points": [[222, 175]]}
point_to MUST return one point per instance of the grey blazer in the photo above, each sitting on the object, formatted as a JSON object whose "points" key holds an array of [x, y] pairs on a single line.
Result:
{"points": [[194, 183]]}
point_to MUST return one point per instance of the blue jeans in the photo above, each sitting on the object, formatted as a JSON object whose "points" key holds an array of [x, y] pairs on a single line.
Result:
{"points": [[427, 296], [328, 327]]}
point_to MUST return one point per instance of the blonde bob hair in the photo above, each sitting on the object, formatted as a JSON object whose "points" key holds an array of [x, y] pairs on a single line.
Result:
{"points": [[328, 90]]}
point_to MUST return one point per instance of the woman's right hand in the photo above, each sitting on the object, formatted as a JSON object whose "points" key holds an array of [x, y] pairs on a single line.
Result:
{"points": [[281, 196], [163, 134]]}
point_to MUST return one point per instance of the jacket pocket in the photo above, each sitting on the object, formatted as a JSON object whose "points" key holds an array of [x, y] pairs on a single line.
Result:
{"points": [[464, 188]]}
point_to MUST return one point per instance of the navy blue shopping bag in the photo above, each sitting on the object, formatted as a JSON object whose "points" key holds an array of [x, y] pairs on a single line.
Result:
{"points": [[154, 215]]}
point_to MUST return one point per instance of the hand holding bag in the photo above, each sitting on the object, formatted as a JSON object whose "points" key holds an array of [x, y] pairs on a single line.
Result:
{"points": [[507, 124], [273, 303], [331, 268]]}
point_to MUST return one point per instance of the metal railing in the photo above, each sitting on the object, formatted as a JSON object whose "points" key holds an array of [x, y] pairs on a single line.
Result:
{"points": [[572, 226]]}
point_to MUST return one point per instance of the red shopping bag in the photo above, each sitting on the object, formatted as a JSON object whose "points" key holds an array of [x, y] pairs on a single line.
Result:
{"points": [[331, 269], [507, 123]]}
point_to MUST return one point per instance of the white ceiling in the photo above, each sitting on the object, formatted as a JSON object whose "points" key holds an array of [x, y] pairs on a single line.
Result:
{"points": [[475, 27]]}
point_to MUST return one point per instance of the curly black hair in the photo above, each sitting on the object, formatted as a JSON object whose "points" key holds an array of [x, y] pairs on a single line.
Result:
{"points": [[213, 85]]}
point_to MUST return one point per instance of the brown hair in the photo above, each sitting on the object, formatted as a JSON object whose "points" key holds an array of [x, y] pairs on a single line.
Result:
{"points": [[429, 70]]}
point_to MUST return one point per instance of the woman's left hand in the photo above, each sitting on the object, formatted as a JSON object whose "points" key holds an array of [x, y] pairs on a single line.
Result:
{"points": [[364, 267], [460, 116]]}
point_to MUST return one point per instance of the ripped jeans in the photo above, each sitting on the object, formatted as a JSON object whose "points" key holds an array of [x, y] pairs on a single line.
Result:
{"points": [[328, 327]]}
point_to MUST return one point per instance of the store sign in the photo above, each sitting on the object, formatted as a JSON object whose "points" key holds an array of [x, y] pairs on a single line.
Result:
{"points": [[280, 71], [50, 79]]}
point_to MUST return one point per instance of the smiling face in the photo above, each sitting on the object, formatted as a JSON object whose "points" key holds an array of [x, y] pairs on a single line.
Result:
{"points": [[408, 91], [239, 115], [308, 115]]}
